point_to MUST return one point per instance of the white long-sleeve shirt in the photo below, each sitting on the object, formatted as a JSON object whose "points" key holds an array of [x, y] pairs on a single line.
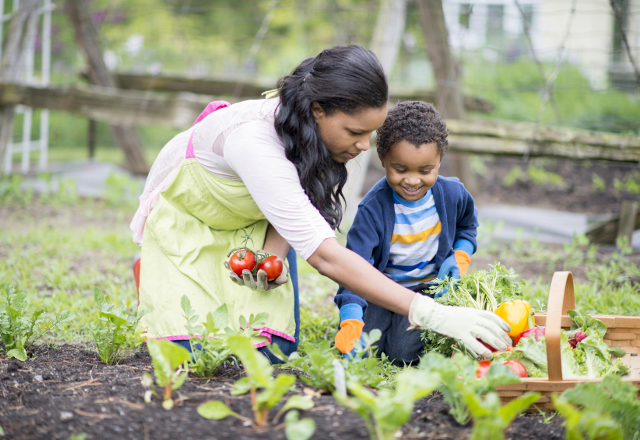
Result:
{"points": [[240, 142]]}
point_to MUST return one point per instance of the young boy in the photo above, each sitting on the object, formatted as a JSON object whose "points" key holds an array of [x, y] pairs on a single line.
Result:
{"points": [[413, 226]]}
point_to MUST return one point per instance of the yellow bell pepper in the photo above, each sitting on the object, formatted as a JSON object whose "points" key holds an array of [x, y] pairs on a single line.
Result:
{"points": [[518, 314]]}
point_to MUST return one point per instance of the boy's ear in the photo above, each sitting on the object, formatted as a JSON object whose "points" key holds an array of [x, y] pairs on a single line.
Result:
{"points": [[381, 160]]}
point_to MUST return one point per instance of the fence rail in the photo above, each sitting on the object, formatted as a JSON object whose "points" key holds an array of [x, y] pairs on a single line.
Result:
{"points": [[179, 110]]}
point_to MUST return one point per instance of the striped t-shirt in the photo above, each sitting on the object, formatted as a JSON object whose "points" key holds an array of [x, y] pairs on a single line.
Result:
{"points": [[414, 242]]}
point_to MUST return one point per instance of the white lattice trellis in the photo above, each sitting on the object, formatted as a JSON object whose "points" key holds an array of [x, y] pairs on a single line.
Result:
{"points": [[28, 144]]}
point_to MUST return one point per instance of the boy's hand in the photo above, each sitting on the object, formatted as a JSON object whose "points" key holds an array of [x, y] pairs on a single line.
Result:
{"points": [[351, 326], [456, 264], [259, 282], [461, 323]]}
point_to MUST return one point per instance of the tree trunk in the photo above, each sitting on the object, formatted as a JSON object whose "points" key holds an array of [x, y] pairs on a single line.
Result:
{"points": [[86, 37], [11, 67], [447, 72], [385, 43]]}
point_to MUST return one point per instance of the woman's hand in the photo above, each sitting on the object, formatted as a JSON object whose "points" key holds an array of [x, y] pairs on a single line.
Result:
{"points": [[461, 323], [260, 281]]}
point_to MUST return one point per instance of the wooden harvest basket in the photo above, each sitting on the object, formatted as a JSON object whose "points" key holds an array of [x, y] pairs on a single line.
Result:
{"points": [[622, 332]]}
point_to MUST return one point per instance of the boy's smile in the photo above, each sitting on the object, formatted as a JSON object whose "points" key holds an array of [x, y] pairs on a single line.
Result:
{"points": [[412, 171]]}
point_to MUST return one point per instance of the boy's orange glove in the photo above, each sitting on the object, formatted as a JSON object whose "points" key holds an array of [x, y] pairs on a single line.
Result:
{"points": [[463, 259], [351, 326]]}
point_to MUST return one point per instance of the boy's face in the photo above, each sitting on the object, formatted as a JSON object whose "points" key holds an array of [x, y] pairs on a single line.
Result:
{"points": [[412, 171]]}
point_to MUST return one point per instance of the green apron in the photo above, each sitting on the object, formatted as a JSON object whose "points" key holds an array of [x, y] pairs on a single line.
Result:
{"points": [[197, 220]]}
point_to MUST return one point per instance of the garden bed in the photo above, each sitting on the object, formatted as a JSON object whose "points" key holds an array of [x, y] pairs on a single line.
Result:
{"points": [[66, 390]]}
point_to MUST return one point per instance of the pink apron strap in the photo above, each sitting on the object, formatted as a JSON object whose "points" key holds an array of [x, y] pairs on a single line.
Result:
{"points": [[210, 108]]}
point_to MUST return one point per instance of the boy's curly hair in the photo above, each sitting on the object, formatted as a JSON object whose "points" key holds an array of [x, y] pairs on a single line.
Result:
{"points": [[414, 121]]}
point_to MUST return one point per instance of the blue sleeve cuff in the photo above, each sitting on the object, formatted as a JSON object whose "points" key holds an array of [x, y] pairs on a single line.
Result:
{"points": [[351, 311], [464, 245]]}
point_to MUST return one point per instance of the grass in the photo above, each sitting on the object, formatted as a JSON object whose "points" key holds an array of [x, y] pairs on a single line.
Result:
{"points": [[58, 250]]}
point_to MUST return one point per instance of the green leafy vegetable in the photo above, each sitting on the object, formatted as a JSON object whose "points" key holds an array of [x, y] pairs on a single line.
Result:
{"points": [[479, 289], [115, 332], [18, 330], [591, 358]]}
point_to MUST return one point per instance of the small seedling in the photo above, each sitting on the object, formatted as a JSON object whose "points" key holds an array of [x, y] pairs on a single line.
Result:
{"points": [[18, 330], [115, 332], [386, 412], [458, 378], [364, 367], [491, 418], [169, 367], [298, 429], [259, 377], [208, 339]]}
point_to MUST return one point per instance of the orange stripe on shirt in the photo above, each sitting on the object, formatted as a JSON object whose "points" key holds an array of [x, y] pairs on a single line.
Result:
{"points": [[416, 238]]}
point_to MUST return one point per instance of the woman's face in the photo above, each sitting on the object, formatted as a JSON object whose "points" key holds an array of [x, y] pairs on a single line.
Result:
{"points": [[345, 135]]}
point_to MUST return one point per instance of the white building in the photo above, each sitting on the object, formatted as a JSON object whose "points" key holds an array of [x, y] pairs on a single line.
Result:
{"points": [[590, 35]]}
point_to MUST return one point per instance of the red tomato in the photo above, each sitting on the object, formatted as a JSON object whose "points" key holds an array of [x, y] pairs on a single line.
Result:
{"points": [[241, 260], [272, 266], [517, 367], [483, 368], [493, 350]]}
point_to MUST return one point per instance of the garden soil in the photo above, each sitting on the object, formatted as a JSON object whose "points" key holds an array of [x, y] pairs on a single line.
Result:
{"points": [[67, 391]]}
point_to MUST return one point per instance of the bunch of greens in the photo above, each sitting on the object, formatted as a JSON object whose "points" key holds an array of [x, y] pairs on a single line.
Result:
{"points": [[480, 289], [384, 413], [609, 398], [208, 340], [591, 358], [259, 378], [18, 330], [115, 332], [458, 379]]}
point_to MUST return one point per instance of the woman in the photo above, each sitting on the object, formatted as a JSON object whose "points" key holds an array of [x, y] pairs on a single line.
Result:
{"points": [[276, 166]]}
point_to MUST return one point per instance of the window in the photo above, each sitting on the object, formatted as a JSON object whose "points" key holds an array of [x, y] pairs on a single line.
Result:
{"points": [[465, 15]]}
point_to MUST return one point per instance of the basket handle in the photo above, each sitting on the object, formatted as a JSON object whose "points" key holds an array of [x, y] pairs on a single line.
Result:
{"points": [[561, 299]]}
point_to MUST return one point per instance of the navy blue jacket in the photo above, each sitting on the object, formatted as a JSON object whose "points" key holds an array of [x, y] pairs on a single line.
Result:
{"points": [[370, 234]]}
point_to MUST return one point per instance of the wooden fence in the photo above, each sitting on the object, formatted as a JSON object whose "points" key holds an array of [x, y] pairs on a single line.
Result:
{"points": [[179, 110]]}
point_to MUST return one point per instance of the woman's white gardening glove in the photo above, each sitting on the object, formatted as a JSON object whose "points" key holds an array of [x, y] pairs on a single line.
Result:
{"points": [[260, 281], [461, 323]]}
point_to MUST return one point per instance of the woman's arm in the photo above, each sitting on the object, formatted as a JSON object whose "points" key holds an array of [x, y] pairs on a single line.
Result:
{"points": [[353, 272], [274, 244]]}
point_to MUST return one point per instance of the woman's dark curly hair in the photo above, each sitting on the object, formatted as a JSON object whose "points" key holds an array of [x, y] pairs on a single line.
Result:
{"points": [[414, 121], [345, 78]]}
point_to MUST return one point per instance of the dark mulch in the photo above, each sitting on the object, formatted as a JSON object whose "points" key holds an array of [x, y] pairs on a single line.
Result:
{"points": [[67, 390]]}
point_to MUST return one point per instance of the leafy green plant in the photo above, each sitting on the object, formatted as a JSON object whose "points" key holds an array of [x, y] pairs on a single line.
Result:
{"points": [[364, 367], [587, 423], [296, 428], [18, 329], [208, 340], [169, 367], [611, 397], [115, 332], [491, 418], [458, 378], [384, 413], [259, 377], [598, 183]]}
